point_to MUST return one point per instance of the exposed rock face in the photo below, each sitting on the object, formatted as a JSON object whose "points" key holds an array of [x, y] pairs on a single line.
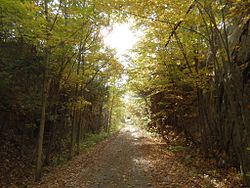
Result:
{"points": [[241, 57], [231, 109], [239, 40], [224, 110]]}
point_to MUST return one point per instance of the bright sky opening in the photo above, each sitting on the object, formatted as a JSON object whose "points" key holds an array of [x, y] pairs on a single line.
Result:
{"points": [[122, 39]]}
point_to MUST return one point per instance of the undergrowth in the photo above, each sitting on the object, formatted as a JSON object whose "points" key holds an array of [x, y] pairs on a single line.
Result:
{"points": [[92, 139]]}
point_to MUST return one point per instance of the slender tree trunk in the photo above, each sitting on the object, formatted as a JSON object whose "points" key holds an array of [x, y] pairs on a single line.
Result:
{"points": [[110, 112], [42, 124], [38, 173], [72, 140], [79, 112], [76, 111], [78, 132], [79, 123]]}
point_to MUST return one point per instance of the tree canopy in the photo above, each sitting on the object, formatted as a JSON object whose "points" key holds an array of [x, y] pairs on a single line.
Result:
{"points": [[189, 72]]}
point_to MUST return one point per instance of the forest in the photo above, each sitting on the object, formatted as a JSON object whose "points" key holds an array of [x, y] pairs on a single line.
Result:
{"points": [[61, 86]]}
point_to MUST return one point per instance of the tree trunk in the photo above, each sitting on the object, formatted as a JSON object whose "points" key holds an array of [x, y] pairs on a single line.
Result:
{"points": [[110, 113], [44, 103], [42, 124], [78, 132], [72, 140]]}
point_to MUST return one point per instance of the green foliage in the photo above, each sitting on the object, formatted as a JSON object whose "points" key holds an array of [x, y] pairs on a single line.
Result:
{"points": [[187, 69], [93, 139], [57, 51], [176, 149]]}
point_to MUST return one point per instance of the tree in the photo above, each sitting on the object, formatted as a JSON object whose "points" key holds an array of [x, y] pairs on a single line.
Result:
{"points": [[56, 44], [186, 67]]}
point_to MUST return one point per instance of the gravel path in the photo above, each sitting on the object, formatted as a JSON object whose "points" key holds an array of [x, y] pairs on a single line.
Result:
{"points": [[133, 159], [118, 162]]}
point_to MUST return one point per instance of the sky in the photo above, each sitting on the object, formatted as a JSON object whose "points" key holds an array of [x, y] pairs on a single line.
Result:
{"points": [[122, 39]]}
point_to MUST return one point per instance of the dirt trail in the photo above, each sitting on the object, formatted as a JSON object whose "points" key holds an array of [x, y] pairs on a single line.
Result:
{"points": [[118, 162], [131, 159]]}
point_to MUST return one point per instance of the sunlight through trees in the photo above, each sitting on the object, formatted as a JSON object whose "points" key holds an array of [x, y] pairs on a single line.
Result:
{"points": [[70, 68]]}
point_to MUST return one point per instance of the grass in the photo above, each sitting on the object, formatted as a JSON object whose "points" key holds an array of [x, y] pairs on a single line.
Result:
{"points": [[92, 139], [87, 143], [177, 148]]}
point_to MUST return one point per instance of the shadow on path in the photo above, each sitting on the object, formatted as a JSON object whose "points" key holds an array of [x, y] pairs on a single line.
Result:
{"points": [[118, 164]]}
